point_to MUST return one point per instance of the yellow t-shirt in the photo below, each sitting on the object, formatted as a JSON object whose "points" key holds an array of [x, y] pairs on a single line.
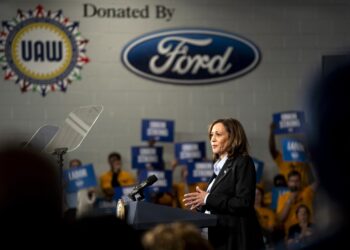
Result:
{"points": [[285, 167], [268, 199], [304, 197], [267, 218], [124, 178]]}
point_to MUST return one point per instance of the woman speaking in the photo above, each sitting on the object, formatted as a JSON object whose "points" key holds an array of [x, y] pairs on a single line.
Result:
{"points": [[231, 191]]}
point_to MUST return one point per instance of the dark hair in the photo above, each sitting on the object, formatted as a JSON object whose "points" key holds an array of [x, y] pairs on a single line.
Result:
{"points": [[294, 173], [75, 160], [115, 156], [279, 178], [175, 236], [303, 206], [30, 188], [237, 140]]}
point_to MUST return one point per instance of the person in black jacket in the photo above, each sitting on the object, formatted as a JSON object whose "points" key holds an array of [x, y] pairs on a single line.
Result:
{"points": [[231, 191]]}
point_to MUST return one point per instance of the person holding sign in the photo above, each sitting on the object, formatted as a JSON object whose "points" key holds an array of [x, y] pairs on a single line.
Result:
{"points": [[183, 186], [115, 177], [187, 154], [231, 191], [80, 190], [70, 201], [285, 167]]}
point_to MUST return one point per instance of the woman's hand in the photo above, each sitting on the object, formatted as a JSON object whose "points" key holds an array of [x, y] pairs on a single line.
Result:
{"points": [[195, 199]]}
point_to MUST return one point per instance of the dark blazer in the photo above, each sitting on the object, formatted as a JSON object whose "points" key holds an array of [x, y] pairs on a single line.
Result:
{"points": [[231, 198]]}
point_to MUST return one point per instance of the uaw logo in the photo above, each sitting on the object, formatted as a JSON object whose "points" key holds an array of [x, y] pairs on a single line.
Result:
{"points": [[42, 50], [190, 56]]}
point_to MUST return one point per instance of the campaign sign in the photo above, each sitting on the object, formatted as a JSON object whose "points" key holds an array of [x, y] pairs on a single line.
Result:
{"points": [[290, 122], [158, 130], [144, 156], [276, 193], [122, 192], [259, 168], [163, 184], [104, 207], [293, 150], [200, 171], [189, 152], [79, 178]]}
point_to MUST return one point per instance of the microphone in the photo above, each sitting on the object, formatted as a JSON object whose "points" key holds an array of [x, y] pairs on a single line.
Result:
{"points": [[138, 190]]}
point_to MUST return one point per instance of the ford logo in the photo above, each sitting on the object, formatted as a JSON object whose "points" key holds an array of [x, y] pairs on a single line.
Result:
{"points": [[190, 56]]}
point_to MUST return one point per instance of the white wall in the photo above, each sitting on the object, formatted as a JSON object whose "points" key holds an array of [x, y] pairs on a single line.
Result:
{"points": [[291, 35]]}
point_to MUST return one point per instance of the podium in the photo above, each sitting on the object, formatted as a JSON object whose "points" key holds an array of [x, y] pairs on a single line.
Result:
{"points": [[142, 215]]}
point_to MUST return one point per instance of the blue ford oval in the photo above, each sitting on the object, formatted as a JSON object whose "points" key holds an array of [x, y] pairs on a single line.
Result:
{"points": [[190, 56]]}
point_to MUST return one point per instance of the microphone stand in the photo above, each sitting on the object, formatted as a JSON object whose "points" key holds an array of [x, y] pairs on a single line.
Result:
{"points": [[59, 152], [139, 196]]}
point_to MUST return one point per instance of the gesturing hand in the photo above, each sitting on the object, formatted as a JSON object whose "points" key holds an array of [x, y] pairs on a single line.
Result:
{"points": [[195, 199]]}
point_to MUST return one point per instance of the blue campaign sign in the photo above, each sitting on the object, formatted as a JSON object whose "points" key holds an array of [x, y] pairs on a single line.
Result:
{"points": [[158, 130], [163, 184], [187, 152], [144, 156], [259, 169], [289, 122], [276, 193], [79, 178], [122, 192], [200, 171], [293, 150], [104, 207]]}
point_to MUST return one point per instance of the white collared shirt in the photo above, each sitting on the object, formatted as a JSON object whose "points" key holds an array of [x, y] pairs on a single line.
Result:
{"points": [[217, 168], [219, 164]]}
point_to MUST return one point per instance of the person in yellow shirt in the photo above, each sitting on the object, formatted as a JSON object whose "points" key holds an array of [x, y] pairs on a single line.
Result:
{"points": [[285, 167], [278, 182], [266, 216], [288, 202], [115, 177], [182, 187]]}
